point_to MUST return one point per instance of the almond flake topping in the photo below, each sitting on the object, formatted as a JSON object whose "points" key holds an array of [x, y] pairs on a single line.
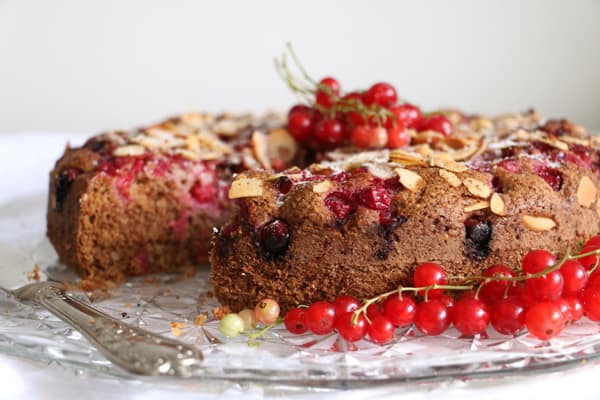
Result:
{"points": [[586, 192], [480, 205], [281, 145], [497, 205], [322, 187], [538, 224], [409, 179], [245, 187], [259, 145], [477, 188], [450, 177], [129, 150]]}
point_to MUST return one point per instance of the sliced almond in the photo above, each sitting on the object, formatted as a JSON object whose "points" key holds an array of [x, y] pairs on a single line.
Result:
{"points": [[538, 224], [575, 140], [409, 179], [245, 187], [192, 143], [260, 148], [450, 177], [449, 165], [130, 150], [322, 187], [226, 127], [497, 205], [477, 188], [480, 205], [281, 145], [586, 192], [424, 150], [407, 158]]}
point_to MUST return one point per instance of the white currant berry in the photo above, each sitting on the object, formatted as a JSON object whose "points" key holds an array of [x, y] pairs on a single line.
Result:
{"points": [[231, 325]]}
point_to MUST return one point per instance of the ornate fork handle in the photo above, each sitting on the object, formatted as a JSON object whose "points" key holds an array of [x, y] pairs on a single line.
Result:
{"points": [[134, 349]]}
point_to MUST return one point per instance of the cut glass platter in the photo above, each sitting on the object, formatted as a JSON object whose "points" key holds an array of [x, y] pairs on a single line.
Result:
{"points": [[170, 305]]}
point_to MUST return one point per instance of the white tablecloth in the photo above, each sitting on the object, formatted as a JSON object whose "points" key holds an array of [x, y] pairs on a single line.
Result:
{"points": [[25, 160]]}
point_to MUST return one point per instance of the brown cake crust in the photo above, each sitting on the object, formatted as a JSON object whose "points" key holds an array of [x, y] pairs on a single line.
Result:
{"points": [[447, 217]]}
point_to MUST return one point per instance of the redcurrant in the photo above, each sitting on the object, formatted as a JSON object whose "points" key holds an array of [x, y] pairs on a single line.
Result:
{"points": [[397, 137], [547, 287], [428, 274], [508, 315], [327, 93], [381, 93], [575, 277], [295, 320], [438, 123], [320, 317], [380, 329], [344, 304], [494, 290], [368, 137], [470, 316], [406, 115], [545, 320], [590, 300], [349, 330], [431, 317], [400, 310], [329, 132], [301, 124]]}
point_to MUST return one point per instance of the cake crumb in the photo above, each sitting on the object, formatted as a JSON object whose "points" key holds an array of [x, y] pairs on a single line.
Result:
{"points": [[34, 274], [220, 312], [200, 319], [177, 328]]}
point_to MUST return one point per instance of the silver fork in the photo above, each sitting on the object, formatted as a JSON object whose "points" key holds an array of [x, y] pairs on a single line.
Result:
{"points": [[133, 349]]}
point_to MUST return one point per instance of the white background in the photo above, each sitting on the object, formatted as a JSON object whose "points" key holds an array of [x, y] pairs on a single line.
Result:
{"points": [[76, 65]]}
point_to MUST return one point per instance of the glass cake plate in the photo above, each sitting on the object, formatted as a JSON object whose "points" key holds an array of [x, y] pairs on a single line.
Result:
{"points": [[170, 305]]}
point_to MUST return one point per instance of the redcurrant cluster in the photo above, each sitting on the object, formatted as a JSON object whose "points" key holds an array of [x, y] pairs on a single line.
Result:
{"points": [[371, 119], [543, 296]]}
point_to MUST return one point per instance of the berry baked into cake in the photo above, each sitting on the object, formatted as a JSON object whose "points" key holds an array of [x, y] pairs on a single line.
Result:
{"points": [[146, 200]]}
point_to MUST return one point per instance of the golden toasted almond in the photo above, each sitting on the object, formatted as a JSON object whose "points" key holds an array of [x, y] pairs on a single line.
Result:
{"points": [[129, 150], [480, 205], [281, 145], [226, 127], [192, 143], [575, 140], [407, 158], [521, 134], [193, 119], [260, 149], [475, 146], [245, 187], [552, 142], [423, 149], [450, 177], [497, 205], [449, 165], [482, 124], [409, 179], [477, 188], [322, 187], [213, 143], [538, 224], [586, 192]]}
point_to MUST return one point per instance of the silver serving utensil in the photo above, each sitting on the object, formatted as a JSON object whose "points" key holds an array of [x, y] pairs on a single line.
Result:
{"points": [[133, 349]]}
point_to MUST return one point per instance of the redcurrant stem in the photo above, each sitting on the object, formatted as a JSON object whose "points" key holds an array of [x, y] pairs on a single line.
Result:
{"points": [[253, 336], [306, 93], [468, 283], [426, 289]]}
